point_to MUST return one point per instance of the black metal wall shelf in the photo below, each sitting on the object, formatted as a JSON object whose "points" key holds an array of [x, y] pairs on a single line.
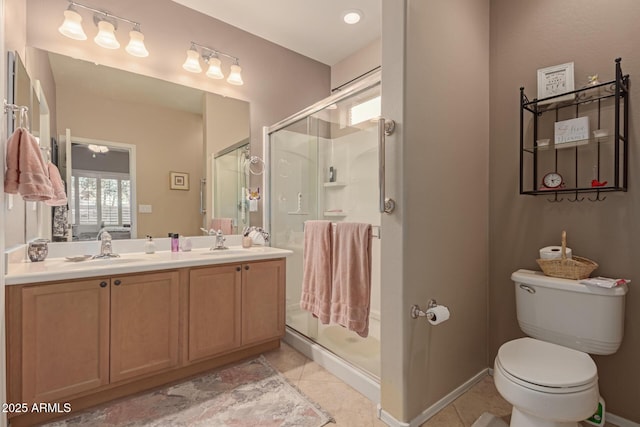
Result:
{"points": [[605, 157]]}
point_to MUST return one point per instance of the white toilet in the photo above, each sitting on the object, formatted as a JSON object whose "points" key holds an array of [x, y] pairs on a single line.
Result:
{"points": [[550, 379]]}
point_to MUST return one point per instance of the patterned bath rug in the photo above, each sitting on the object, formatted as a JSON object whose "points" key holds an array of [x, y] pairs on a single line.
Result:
{"points": [[246, 395]]}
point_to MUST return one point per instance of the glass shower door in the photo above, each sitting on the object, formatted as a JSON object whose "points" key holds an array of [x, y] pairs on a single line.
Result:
{"points": [[325, 166]]}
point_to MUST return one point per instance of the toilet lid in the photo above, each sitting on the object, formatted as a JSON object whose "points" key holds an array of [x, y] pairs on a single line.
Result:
{"points": [[546, 364]]}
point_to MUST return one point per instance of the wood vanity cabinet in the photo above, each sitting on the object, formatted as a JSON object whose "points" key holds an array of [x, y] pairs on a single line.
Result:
{"points": [[144, 324], [65, 340], [235, 305], [214, 310], [263, 288], [88, 341], [80, 335]]}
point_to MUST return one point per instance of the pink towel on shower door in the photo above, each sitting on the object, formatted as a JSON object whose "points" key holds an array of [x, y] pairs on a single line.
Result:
{"points": [[351, 287], [316, 276]]}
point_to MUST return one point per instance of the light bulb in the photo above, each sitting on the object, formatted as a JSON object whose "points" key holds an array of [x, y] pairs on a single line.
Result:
{"points": [[214, 71], [72, 25], [106, 36], [192, 63], [235, 78], [136, 44]]}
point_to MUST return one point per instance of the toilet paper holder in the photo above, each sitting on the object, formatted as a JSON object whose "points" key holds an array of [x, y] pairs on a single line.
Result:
{"points": [[416, 312]]}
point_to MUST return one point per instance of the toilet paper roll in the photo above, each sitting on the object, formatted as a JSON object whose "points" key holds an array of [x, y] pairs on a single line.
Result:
{"points": [[553, 252], [437, 314]]}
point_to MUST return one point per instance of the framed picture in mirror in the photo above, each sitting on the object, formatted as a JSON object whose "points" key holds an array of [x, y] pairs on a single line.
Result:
{"points": [[179, 181]]}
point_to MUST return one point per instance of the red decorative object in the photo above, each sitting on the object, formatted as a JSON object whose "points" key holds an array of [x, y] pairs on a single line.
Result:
{"points": [[596, 183]]}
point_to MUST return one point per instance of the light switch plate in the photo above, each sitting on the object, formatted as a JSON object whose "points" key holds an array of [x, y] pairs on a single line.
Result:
{"points": [[145, 209]]}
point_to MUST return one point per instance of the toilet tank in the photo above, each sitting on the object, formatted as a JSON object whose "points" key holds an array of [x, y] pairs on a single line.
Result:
{"points": [[568, 313]]}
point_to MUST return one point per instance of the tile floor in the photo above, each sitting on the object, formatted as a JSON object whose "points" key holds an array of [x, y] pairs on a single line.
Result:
{"points": [[351, 409]]}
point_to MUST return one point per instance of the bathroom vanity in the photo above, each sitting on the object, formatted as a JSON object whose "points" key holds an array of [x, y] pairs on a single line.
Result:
{"points": [[89, 332]]}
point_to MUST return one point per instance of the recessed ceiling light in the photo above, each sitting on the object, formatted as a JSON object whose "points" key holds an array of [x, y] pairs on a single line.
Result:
{"points": [[352, 16]]}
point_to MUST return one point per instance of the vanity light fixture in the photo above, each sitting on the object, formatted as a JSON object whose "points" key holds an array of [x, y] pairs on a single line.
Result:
{"points": [[107, 23], [192, 63], [235, 78], [212, 58], [72, 25], [106, 36]]}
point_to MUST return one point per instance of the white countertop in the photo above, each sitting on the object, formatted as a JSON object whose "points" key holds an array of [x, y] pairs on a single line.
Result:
{"points": [[53, 269]]}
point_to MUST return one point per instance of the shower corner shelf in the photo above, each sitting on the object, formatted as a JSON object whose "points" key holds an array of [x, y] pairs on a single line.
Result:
{"points": [[337, 214], [334, 184]]}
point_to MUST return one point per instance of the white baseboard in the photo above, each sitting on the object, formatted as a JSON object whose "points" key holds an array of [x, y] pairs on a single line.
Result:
{"points": [[619, 421], [435, 408]]}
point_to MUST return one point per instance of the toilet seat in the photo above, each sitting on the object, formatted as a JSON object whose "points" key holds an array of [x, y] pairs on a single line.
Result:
{"points": [[546, 367]]}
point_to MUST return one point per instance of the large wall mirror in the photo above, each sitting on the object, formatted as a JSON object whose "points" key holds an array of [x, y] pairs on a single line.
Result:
{"points": [[23, 219], [136, 151]]}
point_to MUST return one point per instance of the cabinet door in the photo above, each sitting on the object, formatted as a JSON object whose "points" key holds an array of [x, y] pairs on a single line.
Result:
{"points": [[214, 310], [65, 339], [144, 324], [263, 285]]}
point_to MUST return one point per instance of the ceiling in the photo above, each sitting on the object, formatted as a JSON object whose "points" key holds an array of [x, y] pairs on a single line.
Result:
{"points": [[313, 28]]}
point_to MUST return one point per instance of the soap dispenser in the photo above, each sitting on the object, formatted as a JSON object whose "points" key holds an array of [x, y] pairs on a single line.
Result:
{"points": [[149, 245]]}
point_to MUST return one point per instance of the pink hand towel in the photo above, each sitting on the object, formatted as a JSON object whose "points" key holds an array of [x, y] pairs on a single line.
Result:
{"points": [[351, 287], [33, 183], [59, 195], [12, 174], [316, 277], [224, 224]]}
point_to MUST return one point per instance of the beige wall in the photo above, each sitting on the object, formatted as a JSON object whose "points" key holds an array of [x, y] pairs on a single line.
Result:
{"points": [[165, 139], [526, 36], [444, 183], [357, 64]]}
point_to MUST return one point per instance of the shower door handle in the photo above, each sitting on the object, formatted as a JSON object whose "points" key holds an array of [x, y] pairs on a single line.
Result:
{"points": [[385, 128]]}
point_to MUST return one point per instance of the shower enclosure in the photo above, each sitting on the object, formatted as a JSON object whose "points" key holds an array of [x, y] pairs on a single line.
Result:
{"points": [[323, 164]]}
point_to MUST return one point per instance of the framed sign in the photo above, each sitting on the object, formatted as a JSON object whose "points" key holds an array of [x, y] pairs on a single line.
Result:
{"points": [[572, 132], [179, 181], [554, 81]]}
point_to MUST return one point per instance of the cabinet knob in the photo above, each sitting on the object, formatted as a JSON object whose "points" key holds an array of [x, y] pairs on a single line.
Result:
{"points": [[117, 282], [103, 284], [246, 267], [238, 268]]}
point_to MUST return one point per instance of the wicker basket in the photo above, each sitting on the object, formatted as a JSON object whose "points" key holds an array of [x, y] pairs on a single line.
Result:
{"points": [[575, 268]]}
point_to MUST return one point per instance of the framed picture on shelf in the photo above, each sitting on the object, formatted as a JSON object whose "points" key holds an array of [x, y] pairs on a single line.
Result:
{"points": [[179, 181], [556, 80]]}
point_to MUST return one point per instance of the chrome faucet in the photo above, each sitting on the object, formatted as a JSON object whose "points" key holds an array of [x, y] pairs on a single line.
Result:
{"points": [[105, 246], [220, 239]]}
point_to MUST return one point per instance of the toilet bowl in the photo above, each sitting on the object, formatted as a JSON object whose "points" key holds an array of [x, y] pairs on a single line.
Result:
{"points": [[548, 385]]}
